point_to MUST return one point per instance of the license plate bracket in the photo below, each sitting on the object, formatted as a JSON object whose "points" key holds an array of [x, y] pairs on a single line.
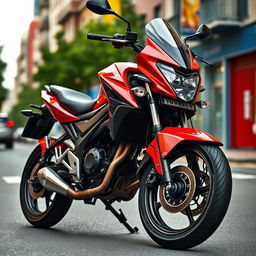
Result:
{"points": [[177, 104]]}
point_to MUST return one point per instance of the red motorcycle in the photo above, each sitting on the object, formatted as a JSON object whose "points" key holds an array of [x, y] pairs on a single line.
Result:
{"points": [[137, 135]]}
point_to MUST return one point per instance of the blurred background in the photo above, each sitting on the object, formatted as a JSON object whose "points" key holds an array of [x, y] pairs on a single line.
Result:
{"points": [[44, 42], [53, 49]]}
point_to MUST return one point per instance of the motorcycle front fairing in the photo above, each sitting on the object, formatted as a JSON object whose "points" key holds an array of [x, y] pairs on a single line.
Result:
{"points": [[164, 46]]}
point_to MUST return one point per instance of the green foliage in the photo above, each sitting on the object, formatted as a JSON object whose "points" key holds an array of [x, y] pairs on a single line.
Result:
{"points": [[27, 96], [76, 64], [3, 91]]}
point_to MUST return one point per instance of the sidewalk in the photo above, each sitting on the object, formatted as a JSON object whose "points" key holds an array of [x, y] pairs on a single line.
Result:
{"points": [[241, 155]]}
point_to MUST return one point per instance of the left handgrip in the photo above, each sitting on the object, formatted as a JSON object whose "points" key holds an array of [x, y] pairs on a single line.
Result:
{"points": [[91, 36]]}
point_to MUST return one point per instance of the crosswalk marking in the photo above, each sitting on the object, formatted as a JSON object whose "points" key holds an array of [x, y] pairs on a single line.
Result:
{"points": [[11, 179], [236, 176], [241, 176], [243, 165]]}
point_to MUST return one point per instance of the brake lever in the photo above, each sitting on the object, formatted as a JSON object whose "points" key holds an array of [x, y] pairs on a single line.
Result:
{"points": [[121, 41], [203, 60]]}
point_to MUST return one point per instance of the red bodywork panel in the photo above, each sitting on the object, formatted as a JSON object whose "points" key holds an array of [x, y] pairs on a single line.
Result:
{"points": [[116, 74], [169, 137], [116, 78], [147, 60], [58, 112], [102, 98]]}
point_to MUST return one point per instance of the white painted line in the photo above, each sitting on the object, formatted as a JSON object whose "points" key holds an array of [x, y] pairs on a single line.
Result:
{"points": [[11, 179], [243, 165], [241, 176], [237, 176]]}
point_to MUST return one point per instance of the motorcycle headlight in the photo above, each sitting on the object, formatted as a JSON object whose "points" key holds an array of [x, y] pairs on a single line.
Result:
{"points": [[184, 87]]}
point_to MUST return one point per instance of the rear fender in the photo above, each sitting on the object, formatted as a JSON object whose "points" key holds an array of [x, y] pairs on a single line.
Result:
{"points": [[170, 137]]}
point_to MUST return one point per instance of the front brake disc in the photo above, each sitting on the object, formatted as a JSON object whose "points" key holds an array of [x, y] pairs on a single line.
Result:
{"points": [[169, 202], [199, 203]]}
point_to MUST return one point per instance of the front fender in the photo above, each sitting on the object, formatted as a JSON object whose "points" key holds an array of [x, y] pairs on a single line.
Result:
{"points": [[170, 137]]}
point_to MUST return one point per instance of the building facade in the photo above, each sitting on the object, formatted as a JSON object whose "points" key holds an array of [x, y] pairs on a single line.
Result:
{"points": [[231, 82], [67, 16], [156, 8], [29, 56], [33, 47], [44, 23], [22, 68]]}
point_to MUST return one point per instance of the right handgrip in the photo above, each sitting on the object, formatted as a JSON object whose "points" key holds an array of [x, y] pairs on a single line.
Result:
{"points": [[91, 36]]}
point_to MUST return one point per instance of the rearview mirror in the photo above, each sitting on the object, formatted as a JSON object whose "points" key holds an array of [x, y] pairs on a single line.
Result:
{"points": [[99, 7], [203, 32], [102, 7]]}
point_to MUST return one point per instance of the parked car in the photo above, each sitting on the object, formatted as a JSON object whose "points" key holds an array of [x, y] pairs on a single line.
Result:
{"points": [[6, 130]]}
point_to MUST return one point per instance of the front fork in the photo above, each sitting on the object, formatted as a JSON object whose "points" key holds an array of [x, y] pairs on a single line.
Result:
{"points": [[167, 178]]}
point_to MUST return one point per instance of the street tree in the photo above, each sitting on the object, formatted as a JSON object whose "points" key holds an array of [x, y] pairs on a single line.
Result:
{"points": [[27, 96], [75, 64], [3, 91]]}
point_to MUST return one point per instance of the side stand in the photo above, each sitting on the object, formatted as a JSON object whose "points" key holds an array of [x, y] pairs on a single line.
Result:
{"points": [[120, 216]]}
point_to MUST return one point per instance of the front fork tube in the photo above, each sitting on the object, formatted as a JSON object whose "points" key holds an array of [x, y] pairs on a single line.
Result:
{"points": [[167, 178]]}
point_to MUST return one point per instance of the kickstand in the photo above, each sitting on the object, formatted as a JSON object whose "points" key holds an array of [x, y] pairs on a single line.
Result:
{"points": [[120, 216]]}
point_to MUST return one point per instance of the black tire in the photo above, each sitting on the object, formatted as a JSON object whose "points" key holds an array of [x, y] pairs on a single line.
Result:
{"points": [[9, 144], [54, 212], [213, 210]]}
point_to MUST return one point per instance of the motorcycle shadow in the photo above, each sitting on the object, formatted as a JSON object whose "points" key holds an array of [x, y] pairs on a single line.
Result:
{"points": [[95, 241]]}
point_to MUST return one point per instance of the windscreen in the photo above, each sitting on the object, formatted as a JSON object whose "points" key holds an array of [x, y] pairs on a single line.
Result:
{"points": [[164, 35]]}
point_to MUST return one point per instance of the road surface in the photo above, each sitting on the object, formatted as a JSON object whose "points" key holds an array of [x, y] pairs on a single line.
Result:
{"points": [[90, 230]]}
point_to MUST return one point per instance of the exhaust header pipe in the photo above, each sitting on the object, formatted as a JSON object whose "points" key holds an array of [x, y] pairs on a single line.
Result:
{"points": [[53, 182]]}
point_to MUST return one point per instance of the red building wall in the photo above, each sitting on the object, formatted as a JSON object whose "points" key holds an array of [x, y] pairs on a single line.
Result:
{"points": [[32, 32], [243, 100]]}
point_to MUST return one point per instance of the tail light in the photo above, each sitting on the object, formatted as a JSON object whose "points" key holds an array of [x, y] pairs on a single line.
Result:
{"points": [[9, 123]]}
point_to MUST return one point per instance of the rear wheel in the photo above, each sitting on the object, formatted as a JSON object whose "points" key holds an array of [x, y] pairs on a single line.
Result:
{"points": [[41, 208], [188, 217]]}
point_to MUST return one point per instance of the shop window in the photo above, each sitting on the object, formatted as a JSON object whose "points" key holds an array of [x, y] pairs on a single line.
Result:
{"points": [[157, 11]]}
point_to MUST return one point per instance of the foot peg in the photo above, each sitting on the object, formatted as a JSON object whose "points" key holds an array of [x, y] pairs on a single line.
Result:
{"points": [[120, 216]]}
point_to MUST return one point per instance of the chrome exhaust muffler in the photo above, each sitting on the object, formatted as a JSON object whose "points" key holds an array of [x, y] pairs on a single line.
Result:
{"points": [[52, 181]]}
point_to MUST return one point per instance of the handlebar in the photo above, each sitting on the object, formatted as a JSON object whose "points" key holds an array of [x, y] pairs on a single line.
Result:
{"points": [[119, 40], [91, 36]]}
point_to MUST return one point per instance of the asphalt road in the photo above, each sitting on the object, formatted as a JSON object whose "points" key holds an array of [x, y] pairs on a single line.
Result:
{"points": [[90, 230]]}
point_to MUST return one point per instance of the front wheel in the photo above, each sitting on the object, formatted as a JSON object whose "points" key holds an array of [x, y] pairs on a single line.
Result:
{"points": [[189, 216]]}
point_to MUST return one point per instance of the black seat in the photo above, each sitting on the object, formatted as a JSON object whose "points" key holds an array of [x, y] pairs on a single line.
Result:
{"points": [[78, 102]]}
